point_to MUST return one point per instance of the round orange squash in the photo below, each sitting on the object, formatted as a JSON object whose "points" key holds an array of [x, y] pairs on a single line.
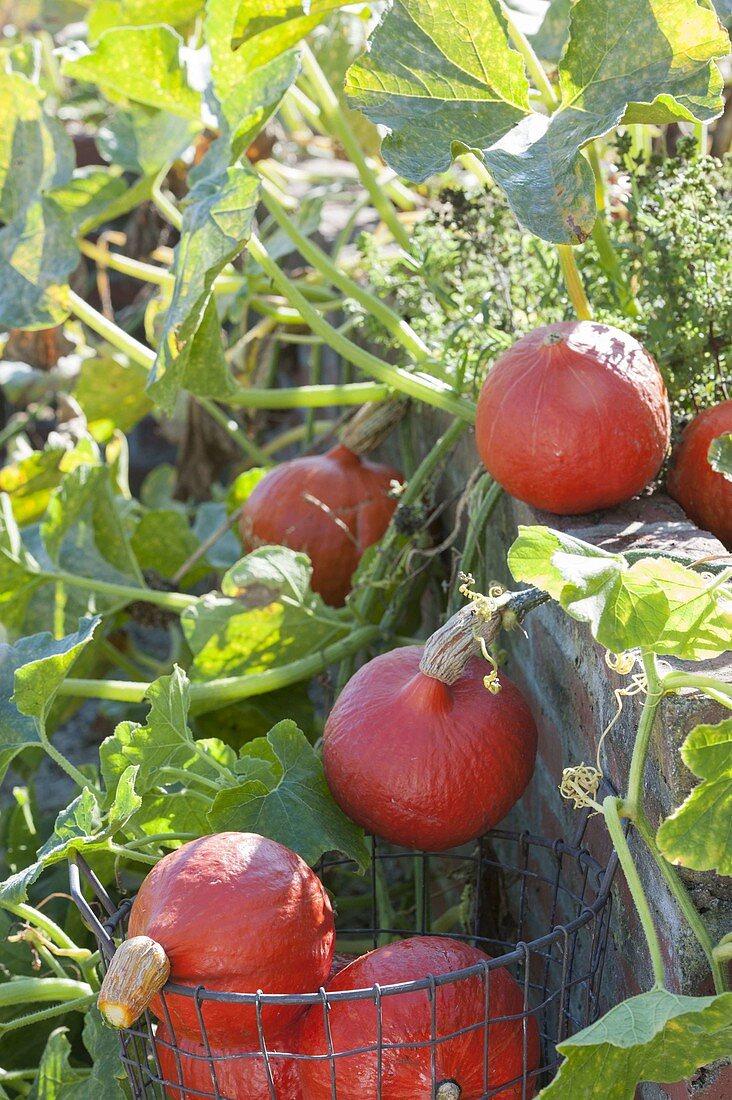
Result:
{"points": [[703, 493]]}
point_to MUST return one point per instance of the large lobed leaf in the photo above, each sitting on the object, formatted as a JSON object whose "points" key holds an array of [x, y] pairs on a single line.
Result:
{"points": [[443, 77], [699, 833], [720, 455], [655, 603], [658, 1036]]}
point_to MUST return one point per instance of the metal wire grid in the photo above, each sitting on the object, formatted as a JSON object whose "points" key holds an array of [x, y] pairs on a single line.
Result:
{"points": [[556, 959]]}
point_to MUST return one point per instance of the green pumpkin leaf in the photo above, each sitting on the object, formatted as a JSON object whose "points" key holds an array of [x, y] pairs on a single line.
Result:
{"points": [[658, 1036], [163, 541], [105, 1080], [699, 833], [142, 139], [31, 672], [84, 533], [720, 455], [267, 616], [654, 603], [266, 33], [142, 64], [164, 742], [80, 827], [226, 550], [90, 193], [443, 78], [107, 14], [112, 393], [553, 34], [440, 75], [216, 225], [56, 1078], [724, 11], [284, 796]]}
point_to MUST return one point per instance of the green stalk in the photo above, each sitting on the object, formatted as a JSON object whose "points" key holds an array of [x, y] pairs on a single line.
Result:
{"points": [[115, 261], [215, 693], [609, 261], [392, 322], [683, 900], [675, 681], [634, 800], [477, 523], [32, 1018], [310, 397], [573, 280], [230, 426], [168, 209], [294, 435], [421, 387], [110, 332], [610, 808], [532, 62], [338, 124], [58, 758], [36, 990], [43, 923], [477, 167], [162, 838], [171, 601]]}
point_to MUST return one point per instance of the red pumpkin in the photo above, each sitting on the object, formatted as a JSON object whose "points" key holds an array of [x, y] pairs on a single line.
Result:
{"points": [[417, 751], [238, 1078], [332, 506], [232, 912], [406, 1019], [573, 417], [703, 493]]}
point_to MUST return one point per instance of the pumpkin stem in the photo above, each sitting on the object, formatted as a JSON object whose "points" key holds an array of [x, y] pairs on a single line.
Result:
{"points": [[448, 1090], [372, 424], [139, 969], [448, 650]]}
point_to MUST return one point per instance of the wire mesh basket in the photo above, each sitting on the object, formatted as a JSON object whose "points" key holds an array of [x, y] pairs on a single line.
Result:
{"points": [[539, 907]]}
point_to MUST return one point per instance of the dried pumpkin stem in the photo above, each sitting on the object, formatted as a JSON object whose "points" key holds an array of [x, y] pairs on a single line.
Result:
{"points": [[448, 650], [371, 425], [139, 969]]}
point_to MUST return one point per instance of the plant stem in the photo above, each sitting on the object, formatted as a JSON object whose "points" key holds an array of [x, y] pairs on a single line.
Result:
{"points": [[171, 601], [573, 280], [315, 256], [32, 1018], [110, 332], [215, 693], [477, 522], [115, 261], [701, 134], [611, 807], [683, 900], [338, 124], [58, 758], [36, 990], [634, 799], [294, 435], [609, 261], [310, 397], [169, 210], [43, 923], [160, 838], [532, 62], [675, 681], [421, 387], [477, 167], [230, 426]]}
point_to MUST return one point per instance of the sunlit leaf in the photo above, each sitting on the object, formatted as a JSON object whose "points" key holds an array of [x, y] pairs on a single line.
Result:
{"points": [[656, 602], [216, 225], [142, 64], [165, 741], [107, 14], [265, 30], [443, 76], [266, 616], [658, 1036], [163, 541], [699, 833], [553, 34], [90, 192], [142, 139], [114, 392], [283, 795]]}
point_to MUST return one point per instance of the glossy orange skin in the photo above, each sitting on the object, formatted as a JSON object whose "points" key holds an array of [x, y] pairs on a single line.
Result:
{"points": [[236, 912], [704, 494], [422, 764], [406, 1018], [574, 425], [245, 1079], [332, 506]]}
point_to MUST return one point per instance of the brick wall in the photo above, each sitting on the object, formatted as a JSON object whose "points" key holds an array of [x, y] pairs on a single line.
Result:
{"points": [[565, 678]]}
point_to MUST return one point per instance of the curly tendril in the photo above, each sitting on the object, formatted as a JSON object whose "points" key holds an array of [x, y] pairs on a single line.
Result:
{"points": [[485, 608]]}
